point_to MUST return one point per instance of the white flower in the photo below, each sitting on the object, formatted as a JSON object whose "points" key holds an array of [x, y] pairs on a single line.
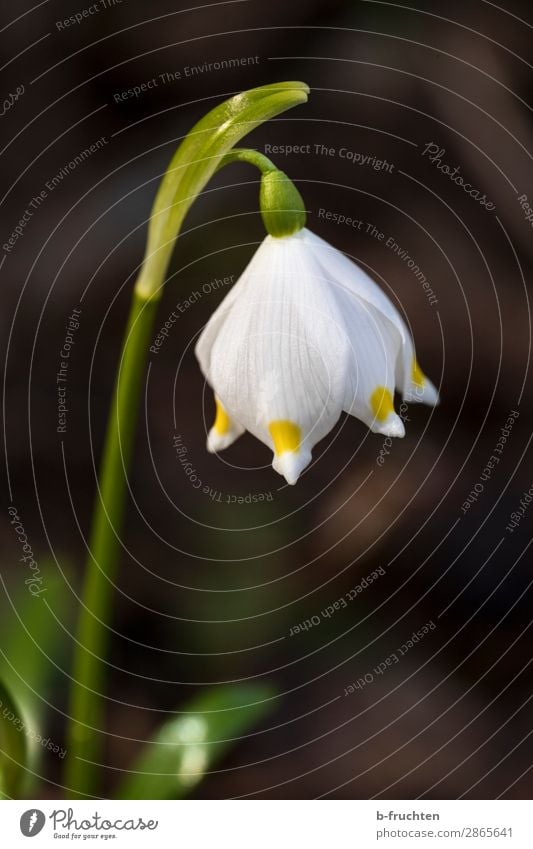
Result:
{"points": [[303, 335]]}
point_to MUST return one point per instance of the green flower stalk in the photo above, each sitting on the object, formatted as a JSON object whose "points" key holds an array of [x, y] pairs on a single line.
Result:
{"points": [[206, 148], [281, 204]]}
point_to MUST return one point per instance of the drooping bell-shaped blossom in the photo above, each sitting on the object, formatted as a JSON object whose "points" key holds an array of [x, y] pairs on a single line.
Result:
{"points": [[304, 335]]}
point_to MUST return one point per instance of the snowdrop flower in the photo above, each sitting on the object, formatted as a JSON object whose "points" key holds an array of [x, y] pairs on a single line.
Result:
{"points": [[304, 335]]}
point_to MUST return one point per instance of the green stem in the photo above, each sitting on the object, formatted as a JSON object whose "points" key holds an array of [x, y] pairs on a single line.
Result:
{"points": [[84, 743], [252, 157], [194, 163]]}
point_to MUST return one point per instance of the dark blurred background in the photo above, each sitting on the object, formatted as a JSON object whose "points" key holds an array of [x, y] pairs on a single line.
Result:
{"points": [[209, 591]]}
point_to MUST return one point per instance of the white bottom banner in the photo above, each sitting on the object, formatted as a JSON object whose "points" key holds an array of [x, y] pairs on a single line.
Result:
{"points": [[264, 824]]}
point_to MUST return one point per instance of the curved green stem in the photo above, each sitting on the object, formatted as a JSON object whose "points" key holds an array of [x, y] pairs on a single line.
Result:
{"points": [[196, 160], [282, 207], [252, 157]]}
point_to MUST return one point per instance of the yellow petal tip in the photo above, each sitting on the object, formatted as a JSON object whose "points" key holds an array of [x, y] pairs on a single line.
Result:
{"points": [[286, 436], [381, 403], [222, 422], [417, 375]]}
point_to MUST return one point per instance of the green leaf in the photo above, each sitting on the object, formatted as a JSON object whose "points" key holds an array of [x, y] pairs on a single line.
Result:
{"points": [[197, 159], [13, 748], [33, 640], [191, 744], [33, 653]]}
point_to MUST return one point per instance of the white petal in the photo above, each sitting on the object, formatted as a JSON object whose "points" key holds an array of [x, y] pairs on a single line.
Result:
{"points": [[421, 390], [374, 353], [280, 354], [290, 464], [209, 333], [346, 274]]}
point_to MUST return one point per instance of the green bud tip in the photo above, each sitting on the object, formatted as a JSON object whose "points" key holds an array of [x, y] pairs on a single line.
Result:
{"points": [[282, 206]]}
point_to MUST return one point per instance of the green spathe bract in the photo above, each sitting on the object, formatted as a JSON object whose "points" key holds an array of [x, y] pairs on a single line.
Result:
{"points": [[196, 160]]}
